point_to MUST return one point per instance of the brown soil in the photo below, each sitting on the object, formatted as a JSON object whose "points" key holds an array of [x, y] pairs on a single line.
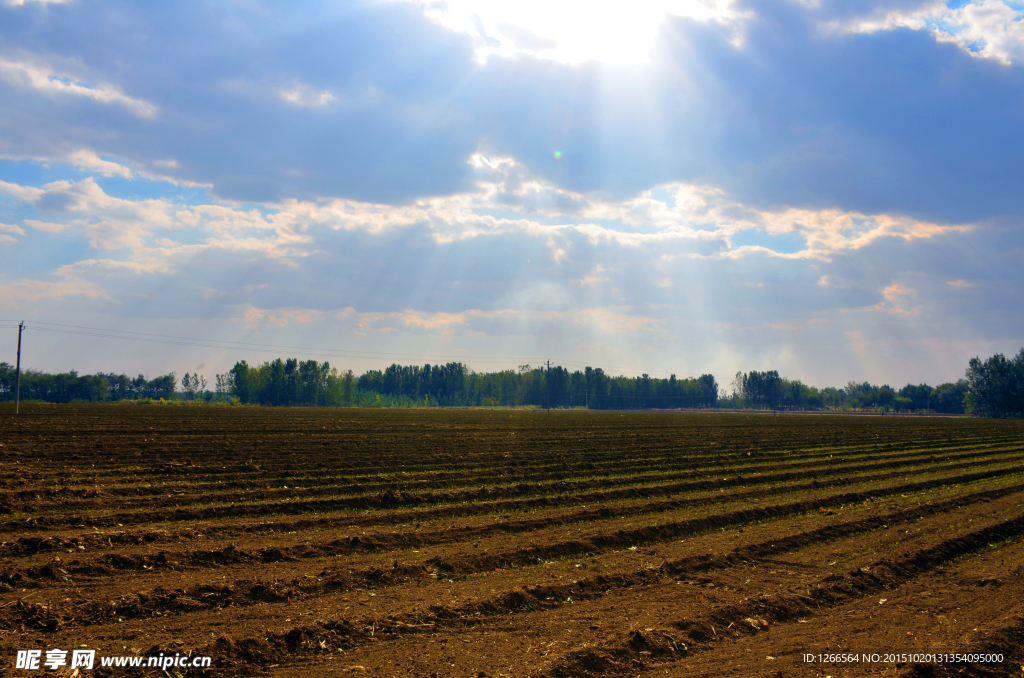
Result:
{"points": [[303, 542]]}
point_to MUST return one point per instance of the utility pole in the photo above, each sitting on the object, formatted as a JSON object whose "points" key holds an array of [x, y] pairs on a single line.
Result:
{"points": [[547, 383], [17, 378]]}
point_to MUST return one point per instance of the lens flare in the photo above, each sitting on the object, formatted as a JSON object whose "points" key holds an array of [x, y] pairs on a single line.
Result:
{"points": [[557, 155]]}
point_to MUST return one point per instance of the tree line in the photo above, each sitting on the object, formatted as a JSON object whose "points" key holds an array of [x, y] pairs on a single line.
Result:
{"points": [[993, 387], [66, 387], [291, 382], [768, 390]]}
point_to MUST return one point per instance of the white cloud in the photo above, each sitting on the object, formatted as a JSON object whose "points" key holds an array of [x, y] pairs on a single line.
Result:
{"points": [[23, 193], [43, 79], [831, 231], [572, 31], [896, 296], [691, 220], [305, 96], [255, 317], [87, 160], [22, 3], [46, 226], [595, 276], [34, 290], [470, 321], [10, 228], [631, 302], [108, 222], [137, 266], [991, 29], [508, 200], [8, 233], [895, 291]]}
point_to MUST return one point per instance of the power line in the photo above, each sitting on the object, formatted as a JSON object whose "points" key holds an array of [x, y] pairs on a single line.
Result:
{"points": [[331, 353], [146, 337], [176, 340], [54, 327]]}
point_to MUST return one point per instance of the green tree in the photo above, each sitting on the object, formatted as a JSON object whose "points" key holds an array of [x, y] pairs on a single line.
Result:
{"points": [[995, 387]]}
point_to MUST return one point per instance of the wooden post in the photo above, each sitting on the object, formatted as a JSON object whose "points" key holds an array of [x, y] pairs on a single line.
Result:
{"points": [[547, 383], [17, 378]]}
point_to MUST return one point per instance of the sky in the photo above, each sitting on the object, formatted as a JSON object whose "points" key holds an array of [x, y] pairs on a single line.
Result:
{"points": [[829, 189]]}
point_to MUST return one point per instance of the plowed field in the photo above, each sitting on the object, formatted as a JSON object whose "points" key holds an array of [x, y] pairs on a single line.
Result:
{"points": [[306, 542]]}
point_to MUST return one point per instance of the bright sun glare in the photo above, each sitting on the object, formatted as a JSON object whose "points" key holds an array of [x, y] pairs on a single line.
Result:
{"points": [[570, 31]]}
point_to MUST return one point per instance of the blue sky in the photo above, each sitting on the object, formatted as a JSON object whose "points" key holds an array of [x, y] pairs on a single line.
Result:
{"points": [[828, 189]]}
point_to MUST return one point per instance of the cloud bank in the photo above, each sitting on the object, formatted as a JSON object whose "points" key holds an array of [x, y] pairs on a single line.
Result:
{"points": [[825, 188]]}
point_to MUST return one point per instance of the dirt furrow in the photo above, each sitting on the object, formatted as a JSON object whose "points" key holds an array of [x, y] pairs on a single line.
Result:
{"points": [[644, 647]]}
